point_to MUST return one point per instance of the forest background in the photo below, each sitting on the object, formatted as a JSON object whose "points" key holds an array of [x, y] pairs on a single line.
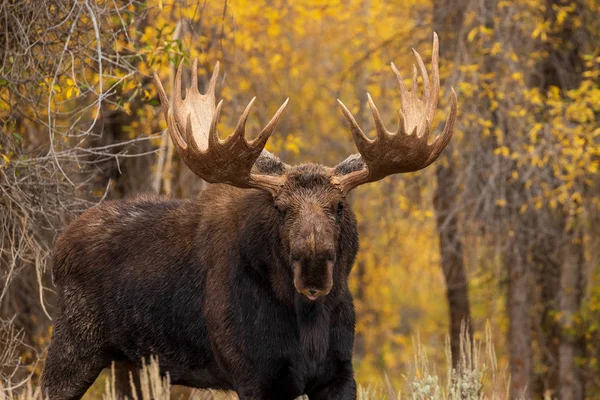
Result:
{"points": [[501, 232]]}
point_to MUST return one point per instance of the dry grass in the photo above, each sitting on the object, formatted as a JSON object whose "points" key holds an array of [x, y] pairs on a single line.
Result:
{"points": [[478, 377]]}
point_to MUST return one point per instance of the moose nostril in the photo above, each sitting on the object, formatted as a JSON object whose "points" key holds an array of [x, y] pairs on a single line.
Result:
{"points": [[312, 292]]}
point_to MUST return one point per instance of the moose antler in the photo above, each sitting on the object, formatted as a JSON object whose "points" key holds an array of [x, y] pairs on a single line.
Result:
{"points": [[192, 125], [406, 149]]}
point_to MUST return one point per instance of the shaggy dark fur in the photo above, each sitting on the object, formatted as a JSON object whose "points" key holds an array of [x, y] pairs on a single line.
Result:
{"points": [[211, 286]]}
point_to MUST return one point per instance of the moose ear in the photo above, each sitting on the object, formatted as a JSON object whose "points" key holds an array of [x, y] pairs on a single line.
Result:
{"points": [[351, 164], [269, 164]]}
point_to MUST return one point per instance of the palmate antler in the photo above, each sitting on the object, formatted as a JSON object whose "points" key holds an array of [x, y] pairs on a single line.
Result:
{"points": [[192, 125], [406, 149]]}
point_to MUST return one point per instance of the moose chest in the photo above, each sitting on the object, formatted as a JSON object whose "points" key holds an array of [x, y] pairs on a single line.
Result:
{"points": [[284, 345], [298, 332]]}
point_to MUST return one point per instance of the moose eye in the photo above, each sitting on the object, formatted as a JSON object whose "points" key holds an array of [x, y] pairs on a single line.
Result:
{"points": [[279, 209], [340, 209]]}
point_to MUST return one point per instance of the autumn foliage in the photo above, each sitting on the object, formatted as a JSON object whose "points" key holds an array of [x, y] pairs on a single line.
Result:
{"points": [[81, 123]]}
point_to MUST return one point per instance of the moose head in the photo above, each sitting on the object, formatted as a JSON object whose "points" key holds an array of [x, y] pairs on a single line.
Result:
{"points": [[309, 199]]}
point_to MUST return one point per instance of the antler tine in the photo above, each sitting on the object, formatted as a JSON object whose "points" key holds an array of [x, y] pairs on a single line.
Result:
{"points": [[177, 100], [164, 99], [194, 85], [240, 128], [415, 85], [403, 91], [441, 141], [215, 160], [405, 150], [261, 140], [213, 134], [212, 83], [263, 136], [360, 139], [435, 77], [424, 76], [382, 132]]}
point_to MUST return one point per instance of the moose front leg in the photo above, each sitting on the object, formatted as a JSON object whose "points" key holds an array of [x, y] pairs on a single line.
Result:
{"points": [[342, 385], [252, 393], [280, 388], [337, 381]]}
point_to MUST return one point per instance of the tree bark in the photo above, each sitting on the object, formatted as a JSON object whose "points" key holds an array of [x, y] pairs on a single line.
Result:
{"points": [[518, 304], [451, 249], [570, 375], [562, 68], [448, 17], [545, 262]]}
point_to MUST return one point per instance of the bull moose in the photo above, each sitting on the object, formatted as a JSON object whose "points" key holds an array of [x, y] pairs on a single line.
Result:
{"points": [[245, 287]]}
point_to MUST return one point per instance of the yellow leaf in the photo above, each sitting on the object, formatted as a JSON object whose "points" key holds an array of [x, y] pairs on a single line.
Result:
{"points": [[537, 31], [472, 34]]}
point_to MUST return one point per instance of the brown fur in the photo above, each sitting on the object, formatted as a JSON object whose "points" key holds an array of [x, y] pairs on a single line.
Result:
{"points": [[217, 287]]}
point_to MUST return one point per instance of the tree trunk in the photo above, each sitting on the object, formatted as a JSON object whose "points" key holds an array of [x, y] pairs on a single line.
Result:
{"points": [[570, 375], [545, 262], [448, 18], [518, 305], [451, 249], [562, 68]]}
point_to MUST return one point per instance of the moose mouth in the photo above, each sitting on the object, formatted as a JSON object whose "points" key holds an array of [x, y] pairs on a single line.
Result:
{"points": [[311, 292], [314, 294], [312, 297]]}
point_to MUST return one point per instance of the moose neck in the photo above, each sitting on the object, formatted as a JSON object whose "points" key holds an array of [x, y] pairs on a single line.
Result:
{"points": [[266, 257], [313, 326]]}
